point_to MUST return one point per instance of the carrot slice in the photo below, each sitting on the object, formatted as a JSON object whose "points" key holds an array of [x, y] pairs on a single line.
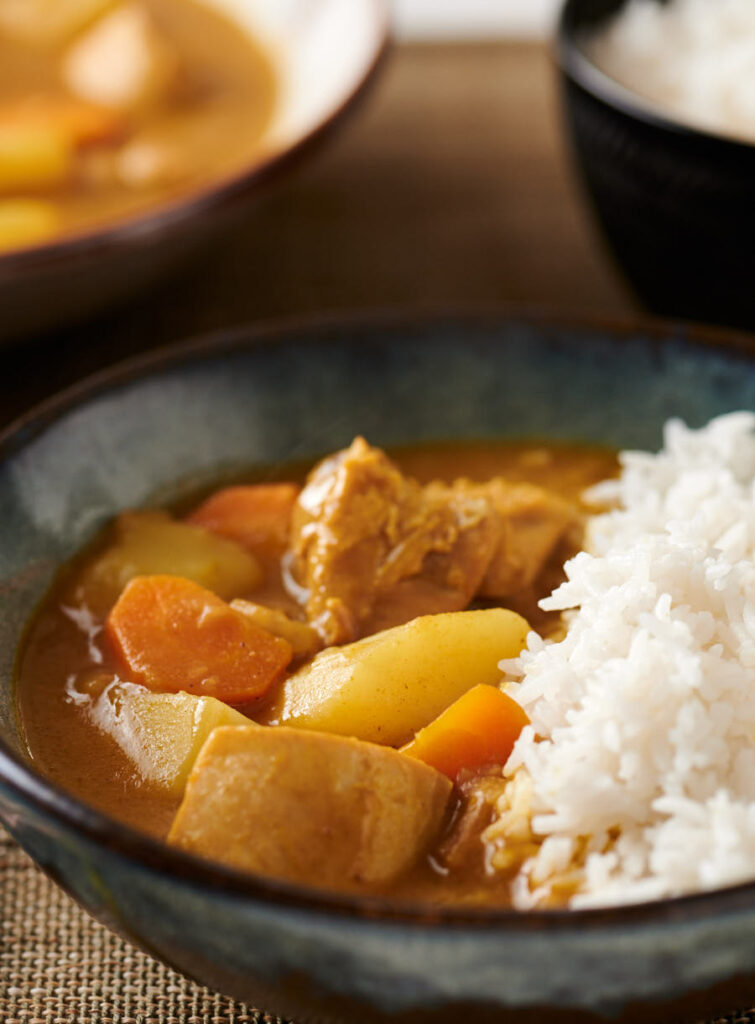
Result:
{"points": [[478, 729], [258, 516], [79, 122], [171, 635]]}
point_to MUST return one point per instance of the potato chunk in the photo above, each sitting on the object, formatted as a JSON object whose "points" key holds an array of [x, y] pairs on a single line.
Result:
{"points": [[33, 157], [152, 544], [26, 222], [388, 686], [308, 807], [162, 733]]}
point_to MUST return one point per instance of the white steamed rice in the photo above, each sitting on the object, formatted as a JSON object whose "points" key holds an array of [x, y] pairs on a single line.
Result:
{"points": [[694, 59], [641, 751]]}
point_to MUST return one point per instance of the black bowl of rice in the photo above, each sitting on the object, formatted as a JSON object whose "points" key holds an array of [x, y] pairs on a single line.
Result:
{"points": [[660, 104]]}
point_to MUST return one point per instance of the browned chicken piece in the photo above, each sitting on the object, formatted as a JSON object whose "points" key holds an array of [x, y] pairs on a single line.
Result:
{"points": [[309, 807], [372, 549], [533, 521], [462, 844]]}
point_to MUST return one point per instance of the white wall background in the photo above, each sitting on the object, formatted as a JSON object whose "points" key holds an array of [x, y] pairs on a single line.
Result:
{"points": [[473, 19]]}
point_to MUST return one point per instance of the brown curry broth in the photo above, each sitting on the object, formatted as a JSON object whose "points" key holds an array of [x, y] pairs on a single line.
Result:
{"points": [[214, 122], [70, 750]]}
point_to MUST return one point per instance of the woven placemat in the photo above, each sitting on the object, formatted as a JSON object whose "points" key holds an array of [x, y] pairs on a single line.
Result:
{"points": [[58, 966]]}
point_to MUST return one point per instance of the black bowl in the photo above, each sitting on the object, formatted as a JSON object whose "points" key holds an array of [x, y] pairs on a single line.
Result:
{"points": [[676, 204], [269, 396]]}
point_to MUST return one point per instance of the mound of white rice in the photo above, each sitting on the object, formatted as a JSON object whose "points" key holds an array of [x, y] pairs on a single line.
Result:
{"points": [[695, 59], [641, 751]]}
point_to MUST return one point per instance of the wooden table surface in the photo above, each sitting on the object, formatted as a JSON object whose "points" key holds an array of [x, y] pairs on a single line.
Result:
{"points": [[450, 186]]}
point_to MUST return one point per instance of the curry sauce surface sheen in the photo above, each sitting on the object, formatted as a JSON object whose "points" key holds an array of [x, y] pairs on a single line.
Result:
{"points": [[64, 644]]}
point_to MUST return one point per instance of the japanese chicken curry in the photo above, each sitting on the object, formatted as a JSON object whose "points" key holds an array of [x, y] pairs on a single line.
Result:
{"points": [[300, 678]]}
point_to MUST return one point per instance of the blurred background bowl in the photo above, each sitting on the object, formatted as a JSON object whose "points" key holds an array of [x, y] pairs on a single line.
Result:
{"points": [[676, 204], [325, 53]]}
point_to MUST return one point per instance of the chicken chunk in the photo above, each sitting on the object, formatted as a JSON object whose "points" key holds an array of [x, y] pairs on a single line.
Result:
{"points": [[372, 549], [308, 807], [122, 62], [532, 523]]}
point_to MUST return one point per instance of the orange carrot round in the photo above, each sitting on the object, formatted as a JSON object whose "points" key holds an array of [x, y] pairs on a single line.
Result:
{"points": [[81, 123], [478, 729], [171, 634], [257, 516]]}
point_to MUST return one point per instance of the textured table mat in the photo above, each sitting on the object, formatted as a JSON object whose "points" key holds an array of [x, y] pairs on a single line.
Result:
{"points": [[58, 966]]}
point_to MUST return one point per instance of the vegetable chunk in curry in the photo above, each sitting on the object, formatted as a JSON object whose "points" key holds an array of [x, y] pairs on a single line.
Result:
{"points": [[303, 680]]}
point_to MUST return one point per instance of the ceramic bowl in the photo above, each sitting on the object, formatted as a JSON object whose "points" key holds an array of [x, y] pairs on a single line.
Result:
{"points": [[675, 203], [264, 396], [325, 52]]}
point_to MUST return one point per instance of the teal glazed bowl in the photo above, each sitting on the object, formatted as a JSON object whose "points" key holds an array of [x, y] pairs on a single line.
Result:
{"points": [[262, 396]]}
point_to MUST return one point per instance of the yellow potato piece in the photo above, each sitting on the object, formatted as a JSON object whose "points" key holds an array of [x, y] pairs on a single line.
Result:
{"points": [[26, 222], [389, 685], [151, 543], [161, 733], [33, 157], [308, 807]]}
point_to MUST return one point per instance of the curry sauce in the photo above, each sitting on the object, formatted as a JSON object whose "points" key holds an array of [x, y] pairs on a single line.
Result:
{"points": [[66, 654]]}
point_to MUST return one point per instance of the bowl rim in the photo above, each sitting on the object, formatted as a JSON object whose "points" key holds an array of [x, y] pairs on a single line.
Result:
{"points": [[132, 229], [576, 65], [19, 778]]}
